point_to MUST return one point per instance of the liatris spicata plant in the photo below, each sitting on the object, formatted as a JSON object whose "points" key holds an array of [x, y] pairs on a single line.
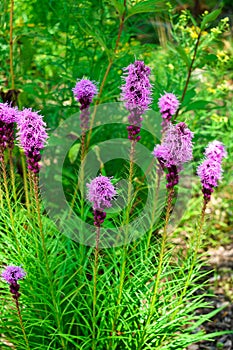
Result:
{"points": [[210, 170], [168, 106], [175, 150], [12, 274], [136, 93], [101, 192], [32, 136], [7, 119], [84, 92]]}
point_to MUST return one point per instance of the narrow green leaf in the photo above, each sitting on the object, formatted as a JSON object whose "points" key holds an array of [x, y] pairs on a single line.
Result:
{"points": [[73, 153], [183, 55]]}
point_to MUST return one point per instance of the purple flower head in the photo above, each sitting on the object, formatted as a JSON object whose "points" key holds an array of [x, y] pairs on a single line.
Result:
{"points": [[168, 105], [136, 93], [101, 192], [7, 119], [12, 274], [215, 151], [84, 91], [210, 172], [137, 89], [32, 136], [7, 113], [176, 148]]}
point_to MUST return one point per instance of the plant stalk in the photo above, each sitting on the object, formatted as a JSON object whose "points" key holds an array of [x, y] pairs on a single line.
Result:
{"points": [[95, 273]]}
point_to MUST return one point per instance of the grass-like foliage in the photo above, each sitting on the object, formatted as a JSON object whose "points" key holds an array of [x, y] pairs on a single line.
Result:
{"points": [[89, 262]]}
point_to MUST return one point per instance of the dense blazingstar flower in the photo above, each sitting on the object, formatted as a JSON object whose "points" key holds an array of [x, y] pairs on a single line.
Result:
{"points": [[175, 150], [210, 170], [11, 274], [215, 151], [101, 192], [168, 105], [136, 93], [32, 136], [7, 119], [84, 91]]}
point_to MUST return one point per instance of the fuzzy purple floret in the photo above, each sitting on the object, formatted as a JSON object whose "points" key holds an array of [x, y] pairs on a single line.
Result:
{"points": [[136, 93], [210, 170], [176, 148], [137, 89], [168, 105], [101, 192], [7, 119], [12, 274], [84, 92], [32, 136], [215, 151]]}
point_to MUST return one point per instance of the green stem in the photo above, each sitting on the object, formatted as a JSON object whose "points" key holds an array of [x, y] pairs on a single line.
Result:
{"points": [[110, 63], [50, 277], [124, 256], [11, 45], [25, 181], [189, 72], [12, 173], [194, 258], [5, 182], [21, 324], [95, 273], [155, 202], [160, 265]]}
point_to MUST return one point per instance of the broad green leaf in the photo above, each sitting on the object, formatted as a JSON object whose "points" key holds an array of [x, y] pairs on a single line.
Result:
{"points": [[201, 104], [118, 6], [146, 6], [210, 17], [73, 153]]}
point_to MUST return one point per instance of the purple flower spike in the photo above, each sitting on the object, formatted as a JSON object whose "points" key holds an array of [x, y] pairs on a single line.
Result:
{"points": [[32, 136], [11, 275], [210, 170], [175, 150], [136, 93], [84, 92], [7, 119], [215, 151], [168, 105], [100, 193]]}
